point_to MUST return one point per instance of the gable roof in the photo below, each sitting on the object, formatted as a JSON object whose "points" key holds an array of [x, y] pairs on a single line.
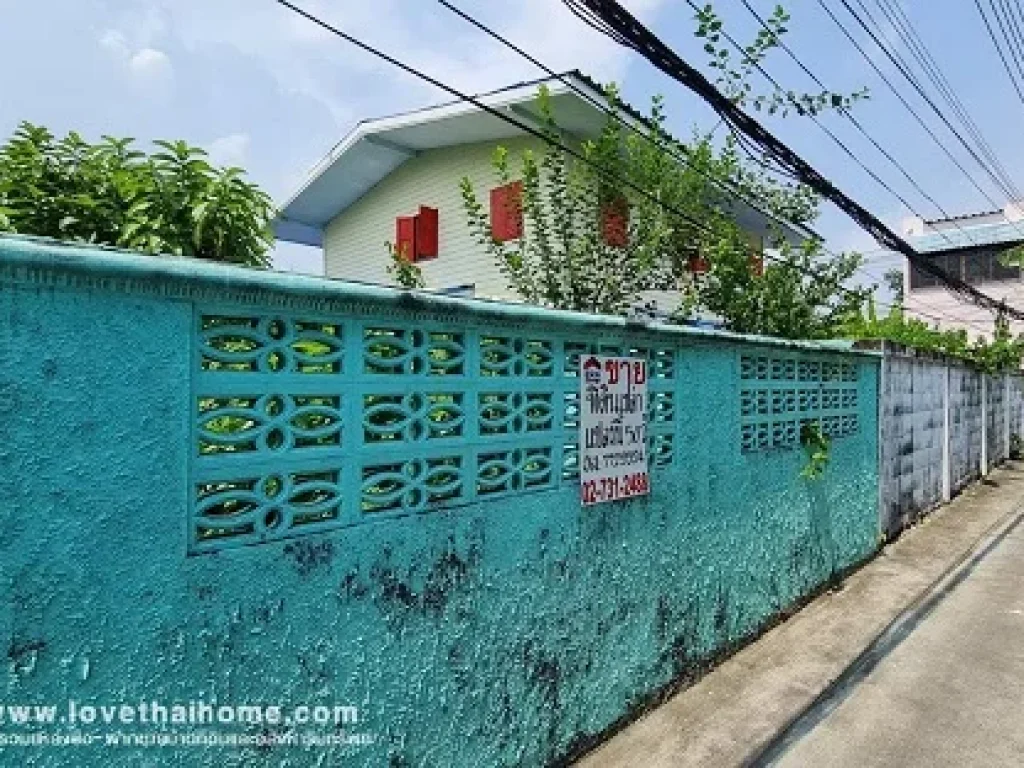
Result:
{"points": [[375, 148]]}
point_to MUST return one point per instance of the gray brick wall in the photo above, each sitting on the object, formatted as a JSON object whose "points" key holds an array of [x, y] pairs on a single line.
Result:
{"points": [[913, 430]]}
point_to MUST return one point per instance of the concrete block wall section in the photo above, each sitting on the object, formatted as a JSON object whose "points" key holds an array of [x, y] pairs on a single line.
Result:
{"points": [[942, 426], [197, 505]]}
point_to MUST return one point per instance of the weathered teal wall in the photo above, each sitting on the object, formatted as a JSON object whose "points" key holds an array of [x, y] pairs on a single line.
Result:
{"points": [[485, 629]]}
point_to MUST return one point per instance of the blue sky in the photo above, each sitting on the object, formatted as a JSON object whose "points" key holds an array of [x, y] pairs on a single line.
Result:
{"points": [[264, 89]]}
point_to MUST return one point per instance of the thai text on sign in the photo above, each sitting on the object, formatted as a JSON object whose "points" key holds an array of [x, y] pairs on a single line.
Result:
{"points": [[613, 428]]}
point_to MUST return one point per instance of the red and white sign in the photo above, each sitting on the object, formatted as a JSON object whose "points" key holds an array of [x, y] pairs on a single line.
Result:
{"points": [[613, 428]]}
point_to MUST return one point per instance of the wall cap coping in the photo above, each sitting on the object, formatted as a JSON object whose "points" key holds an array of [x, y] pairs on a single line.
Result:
{"points": [[39, 260]]}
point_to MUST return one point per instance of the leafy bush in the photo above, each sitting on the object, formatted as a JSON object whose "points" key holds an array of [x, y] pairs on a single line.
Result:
{"points": [[171, 201], [1002, 353]]}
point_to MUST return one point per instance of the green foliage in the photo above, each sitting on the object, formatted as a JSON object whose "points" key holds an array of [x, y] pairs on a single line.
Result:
{"points": [[1002, 353], [734, 76], [170, 201], [1012, 257], [800, 294], [682, 214], [817, 446], [562, 260], [403, 269], [894, 280]]}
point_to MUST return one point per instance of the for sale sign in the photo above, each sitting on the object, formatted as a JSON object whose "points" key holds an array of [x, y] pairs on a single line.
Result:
{"points": [[613, 428]]}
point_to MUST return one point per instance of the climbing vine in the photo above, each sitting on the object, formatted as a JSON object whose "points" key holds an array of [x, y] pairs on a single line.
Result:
{"points": [[817, 446], [403, 269]]}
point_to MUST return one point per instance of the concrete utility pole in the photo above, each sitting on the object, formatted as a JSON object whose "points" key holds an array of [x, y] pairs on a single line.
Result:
{"points": [[984, 425], [1006, 416], [946, 469]]}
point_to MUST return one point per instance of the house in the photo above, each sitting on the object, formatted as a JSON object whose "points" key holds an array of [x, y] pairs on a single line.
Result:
{"points": [[967, 247], [396, 179]]}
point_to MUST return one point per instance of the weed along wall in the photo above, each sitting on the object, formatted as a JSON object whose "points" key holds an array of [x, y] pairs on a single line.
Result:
{"points": [[228, 486]]}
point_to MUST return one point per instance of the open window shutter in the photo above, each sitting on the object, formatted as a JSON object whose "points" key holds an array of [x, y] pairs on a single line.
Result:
{"points": [[426, 233], [405, 236], [699, 265], [615, 223], [507, 212]]}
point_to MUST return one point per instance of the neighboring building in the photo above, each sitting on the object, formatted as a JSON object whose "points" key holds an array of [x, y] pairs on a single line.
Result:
{"points": [[967, 247], [396, 179]]}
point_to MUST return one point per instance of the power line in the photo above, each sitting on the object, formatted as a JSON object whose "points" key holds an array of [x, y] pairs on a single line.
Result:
{"points": [[614, 113], [908, 75], [919, 51], [828, 132], [1017, 79], [408, 68], [834, 138], [527, 129], [799, 108], [654, 50], [905, 30], [906, 104], [1010, 30], [903, 70], [847, 114], [530, 130], [604, 107]]}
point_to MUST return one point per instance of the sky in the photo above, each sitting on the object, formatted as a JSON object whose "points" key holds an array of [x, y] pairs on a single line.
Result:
{"points": [[262, 88]]}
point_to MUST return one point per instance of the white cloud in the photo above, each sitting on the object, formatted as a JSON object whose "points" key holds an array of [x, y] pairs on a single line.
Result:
{"points": [[306, 59], [151, 65], [232, 149]]}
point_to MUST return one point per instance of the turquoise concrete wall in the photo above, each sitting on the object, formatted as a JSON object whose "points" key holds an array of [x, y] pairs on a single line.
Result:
{"points": [[476, 630]]}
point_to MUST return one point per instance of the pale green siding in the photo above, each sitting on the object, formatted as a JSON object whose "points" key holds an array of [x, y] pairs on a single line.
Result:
{"points": [[354, 241]]}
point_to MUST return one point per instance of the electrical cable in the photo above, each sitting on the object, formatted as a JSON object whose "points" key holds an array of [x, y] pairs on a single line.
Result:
{"points": [[909, 76], [643, 40], [498, 114], [1015, 80], [908, 35], [907, 105], [522, 126], [848, 115], [613, 113]]}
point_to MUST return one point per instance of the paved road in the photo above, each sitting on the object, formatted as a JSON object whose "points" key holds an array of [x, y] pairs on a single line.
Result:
{"points": [[950, 694]]}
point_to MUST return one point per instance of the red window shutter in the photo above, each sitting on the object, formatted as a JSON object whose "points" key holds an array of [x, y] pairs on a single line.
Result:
{"points": [[615, 224], [405, 237], [756, 254], [426, 233], [699, 264], [507, 212]]}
